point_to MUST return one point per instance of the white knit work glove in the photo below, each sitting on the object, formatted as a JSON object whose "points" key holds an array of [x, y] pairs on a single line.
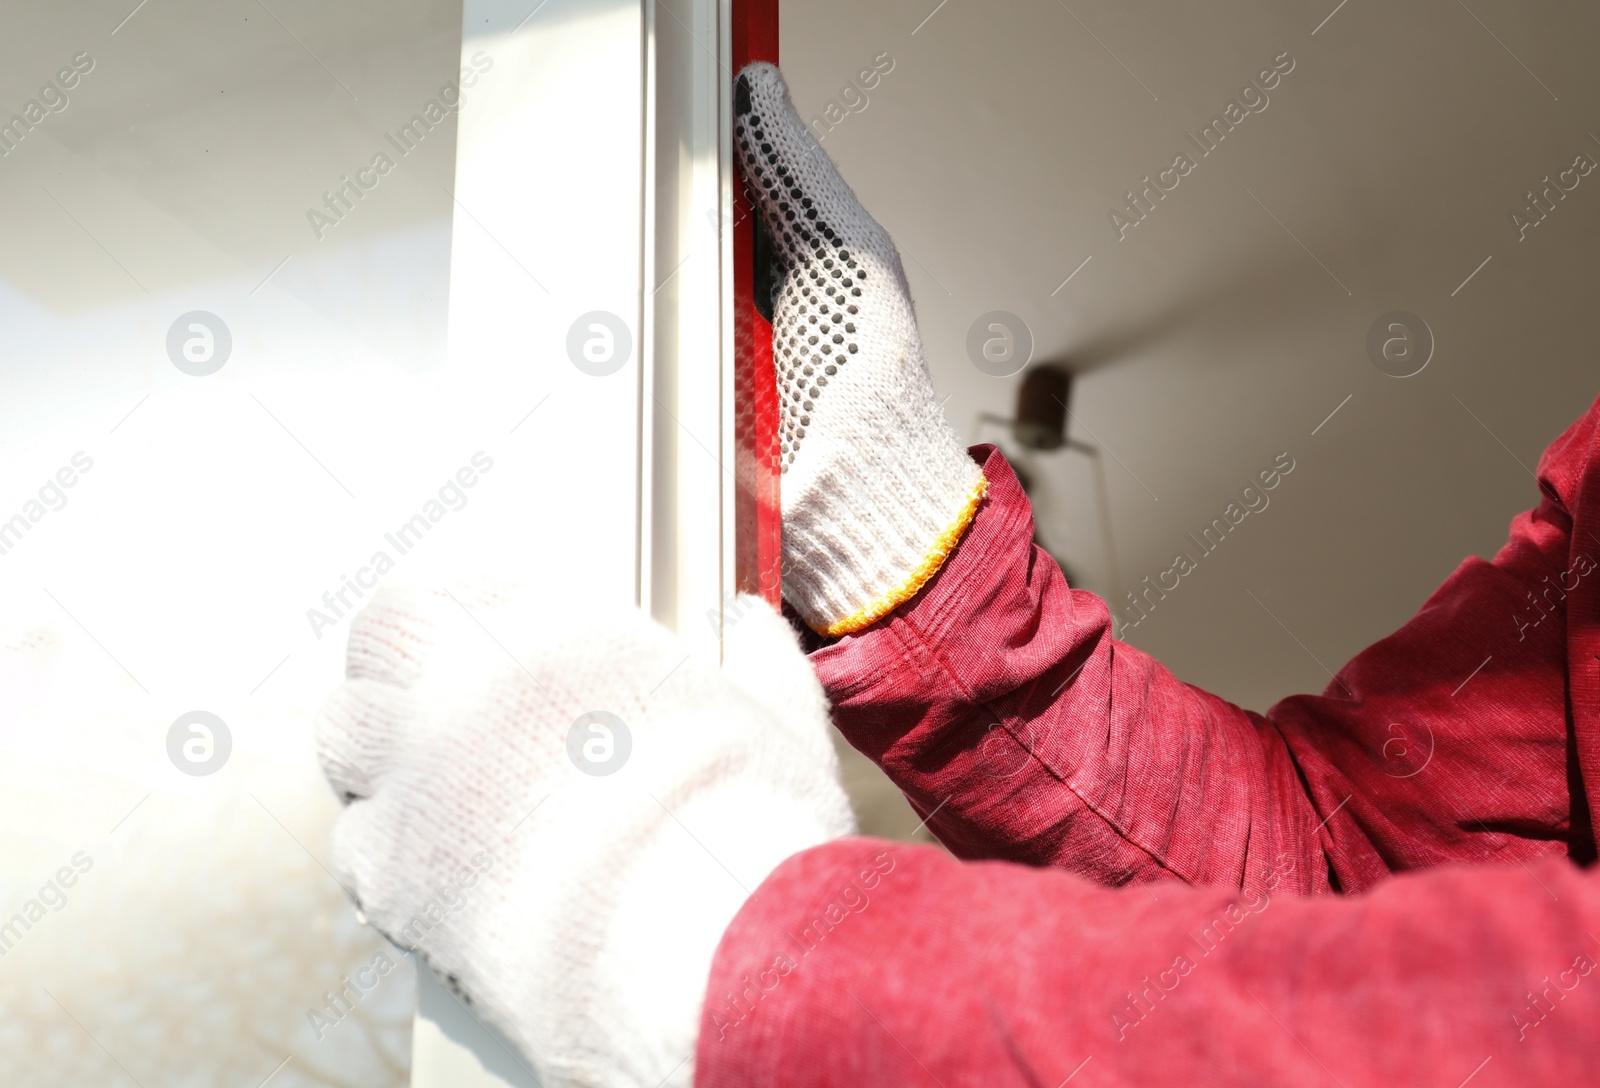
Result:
{"points": [[876, 490], [568, 878]]}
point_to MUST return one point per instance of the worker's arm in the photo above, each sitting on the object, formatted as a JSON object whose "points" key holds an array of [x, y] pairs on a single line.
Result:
{"points": [[866, 962], [1000, 703], [995, 695]]}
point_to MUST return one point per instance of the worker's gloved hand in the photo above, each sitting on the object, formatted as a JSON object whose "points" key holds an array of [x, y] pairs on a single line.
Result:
{"points": [[876, 490], [562, 818]]}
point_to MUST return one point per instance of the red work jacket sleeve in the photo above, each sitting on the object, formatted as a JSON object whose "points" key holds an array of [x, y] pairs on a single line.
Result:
{"points": [[1000, 703], [863, 962]]}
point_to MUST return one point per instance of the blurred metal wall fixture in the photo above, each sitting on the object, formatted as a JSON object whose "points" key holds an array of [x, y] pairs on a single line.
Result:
{"points": [[1041, 422]]}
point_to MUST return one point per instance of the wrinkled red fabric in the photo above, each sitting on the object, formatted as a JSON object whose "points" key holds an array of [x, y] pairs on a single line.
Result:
{"points": [[1447, 775]]}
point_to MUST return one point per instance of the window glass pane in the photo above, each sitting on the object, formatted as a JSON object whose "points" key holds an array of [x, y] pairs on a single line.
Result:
{"points": [[224, 292]]}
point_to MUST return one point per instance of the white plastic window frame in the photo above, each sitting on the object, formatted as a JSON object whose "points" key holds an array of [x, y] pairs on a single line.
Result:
{"points": [[601, 156]]}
